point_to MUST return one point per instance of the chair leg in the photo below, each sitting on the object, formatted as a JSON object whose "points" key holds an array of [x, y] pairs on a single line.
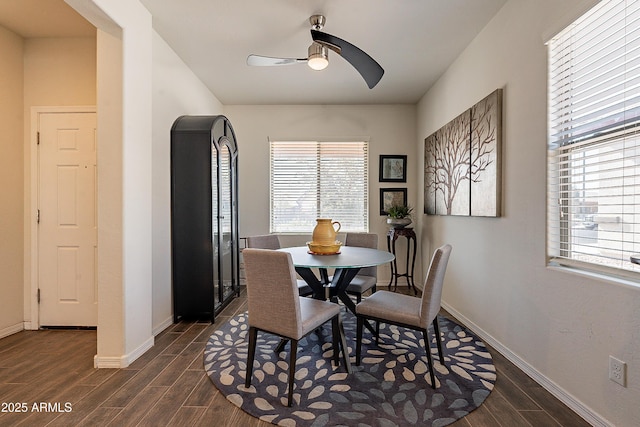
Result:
{"points": [[292, 369], [359, 326], [253, 335], [343, 342], [377, 332], [436, 331], [427, 348], [336, 341], [280, 347]]}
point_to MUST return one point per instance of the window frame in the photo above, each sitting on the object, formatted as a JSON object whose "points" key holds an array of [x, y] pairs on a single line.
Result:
{"points": [[320, 167], [563, 206]]}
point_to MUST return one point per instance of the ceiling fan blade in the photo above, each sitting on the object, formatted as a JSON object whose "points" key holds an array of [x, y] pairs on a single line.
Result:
{"points": [[368, 68], [267, 61]]}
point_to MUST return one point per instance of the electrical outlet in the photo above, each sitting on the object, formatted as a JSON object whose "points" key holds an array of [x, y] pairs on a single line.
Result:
{"points": [[618, 371]]}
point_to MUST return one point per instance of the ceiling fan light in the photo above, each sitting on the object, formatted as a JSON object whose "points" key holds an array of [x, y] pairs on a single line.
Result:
{"points": [[318, 57], [318, 63]]}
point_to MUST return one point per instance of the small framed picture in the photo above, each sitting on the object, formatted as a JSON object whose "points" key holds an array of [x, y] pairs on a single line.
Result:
{"points": [[390, 197], [393, 168]]}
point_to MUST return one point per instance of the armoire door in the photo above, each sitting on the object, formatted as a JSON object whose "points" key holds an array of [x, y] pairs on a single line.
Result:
{"points": [[226, 210]]}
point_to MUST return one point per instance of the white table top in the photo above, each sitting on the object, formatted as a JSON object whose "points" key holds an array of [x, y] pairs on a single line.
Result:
{"points": [[349, 257]]}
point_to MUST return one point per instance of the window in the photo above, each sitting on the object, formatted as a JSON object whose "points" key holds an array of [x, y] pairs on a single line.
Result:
{"points": [[311, 179], [594, 140]]}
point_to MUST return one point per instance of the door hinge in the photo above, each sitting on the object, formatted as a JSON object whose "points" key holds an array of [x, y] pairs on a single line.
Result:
{"points": [[38, 138], [38, 295], [38, 217]]}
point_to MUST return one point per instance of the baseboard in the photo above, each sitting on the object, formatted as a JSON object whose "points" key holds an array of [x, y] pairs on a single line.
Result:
{"points": [[112, 362], [10, 330], [162, 326], [124, 360], [574, 404], [28, 326]]}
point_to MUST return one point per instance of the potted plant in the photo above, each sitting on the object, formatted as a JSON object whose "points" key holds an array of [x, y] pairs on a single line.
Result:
{"points": [[399, 216]]}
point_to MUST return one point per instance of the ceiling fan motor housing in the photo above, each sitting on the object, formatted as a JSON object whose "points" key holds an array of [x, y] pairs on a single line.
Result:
{"points": [[318, 56]]}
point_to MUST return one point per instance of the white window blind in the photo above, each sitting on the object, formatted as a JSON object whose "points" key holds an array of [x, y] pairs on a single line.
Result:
{"points": [[594, 145], [318, 179]]}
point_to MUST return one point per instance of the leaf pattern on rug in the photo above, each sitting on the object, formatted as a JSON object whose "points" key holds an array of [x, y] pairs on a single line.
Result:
{"points": [[391, 387]]}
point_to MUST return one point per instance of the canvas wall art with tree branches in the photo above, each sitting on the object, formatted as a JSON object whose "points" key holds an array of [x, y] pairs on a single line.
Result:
{"points": [[462, 162]]}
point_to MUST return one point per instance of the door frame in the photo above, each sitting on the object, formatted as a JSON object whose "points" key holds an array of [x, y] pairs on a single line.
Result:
{"points": [[31, 260]]}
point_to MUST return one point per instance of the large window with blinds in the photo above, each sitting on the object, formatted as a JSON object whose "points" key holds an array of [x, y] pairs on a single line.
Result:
{"points": [[318, 179], [594, 140]]}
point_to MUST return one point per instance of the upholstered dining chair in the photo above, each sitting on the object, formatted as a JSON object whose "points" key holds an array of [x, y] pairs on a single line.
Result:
{"points": [[276, 307], [408, 311], [367, 277], [271, 241]]}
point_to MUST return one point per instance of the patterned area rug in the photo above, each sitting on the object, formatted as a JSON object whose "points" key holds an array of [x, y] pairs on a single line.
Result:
{"points": [[391, 387]]}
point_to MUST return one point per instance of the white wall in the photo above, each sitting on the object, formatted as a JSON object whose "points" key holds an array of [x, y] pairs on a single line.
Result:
{"points": [[176, 92], [560, 327], [390, 129], [60, 71], [111, 320], [11, 177]]}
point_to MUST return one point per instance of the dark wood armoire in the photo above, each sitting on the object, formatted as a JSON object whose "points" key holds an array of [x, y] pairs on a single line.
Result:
{"points": [[204, 216]]}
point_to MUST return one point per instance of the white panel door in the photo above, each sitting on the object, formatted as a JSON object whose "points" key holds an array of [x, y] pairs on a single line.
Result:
{"points": [[67, 231]]}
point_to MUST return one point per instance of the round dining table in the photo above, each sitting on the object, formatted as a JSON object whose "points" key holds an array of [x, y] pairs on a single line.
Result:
{"points": [[346, 263]]}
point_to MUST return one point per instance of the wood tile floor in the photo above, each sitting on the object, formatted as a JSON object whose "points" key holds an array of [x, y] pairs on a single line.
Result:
{"points": [[53, 370]]}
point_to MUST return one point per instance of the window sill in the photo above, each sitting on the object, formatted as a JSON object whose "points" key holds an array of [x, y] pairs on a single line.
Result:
{"points": [[624, 281]]}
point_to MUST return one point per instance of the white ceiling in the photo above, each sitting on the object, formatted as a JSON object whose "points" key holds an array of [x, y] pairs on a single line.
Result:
{"points": [[414, 41], [43, 18]]}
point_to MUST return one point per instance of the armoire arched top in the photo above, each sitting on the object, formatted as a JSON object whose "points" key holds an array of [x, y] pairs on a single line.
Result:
{"points": [[204, 216], [218, 127]]}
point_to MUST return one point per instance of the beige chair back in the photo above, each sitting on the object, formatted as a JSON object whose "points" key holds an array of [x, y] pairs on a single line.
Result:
{"points": [[364, 240], [272, 292], [268, 241], [432, 292]]}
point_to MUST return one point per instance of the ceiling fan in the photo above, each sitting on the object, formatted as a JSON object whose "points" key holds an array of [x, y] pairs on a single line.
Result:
{"points": [[318, 58]]}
